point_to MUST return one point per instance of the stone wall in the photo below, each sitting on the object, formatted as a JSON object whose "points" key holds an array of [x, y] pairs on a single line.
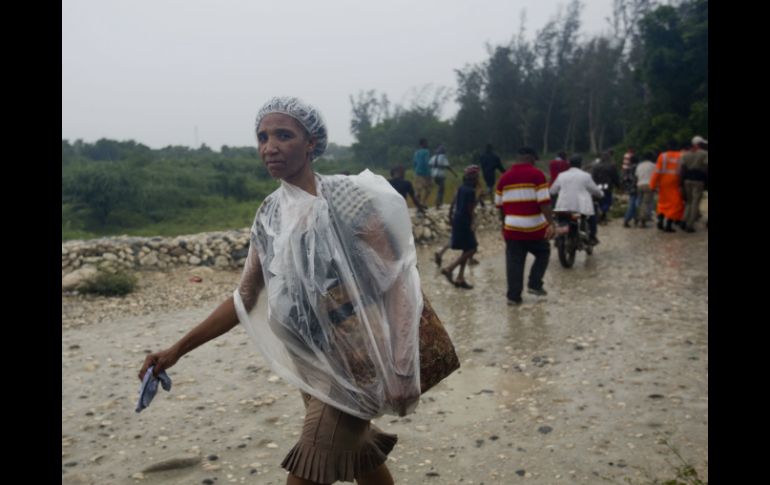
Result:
{"points": [[226, 249]]}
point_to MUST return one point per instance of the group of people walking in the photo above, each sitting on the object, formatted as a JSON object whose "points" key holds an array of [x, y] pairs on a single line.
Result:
{"points": [[430, 170], [679, 176], [331, 257], [528, 203]]}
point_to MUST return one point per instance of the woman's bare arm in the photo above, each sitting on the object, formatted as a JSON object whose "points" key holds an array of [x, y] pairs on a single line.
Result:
{"points": [[221, 321]]}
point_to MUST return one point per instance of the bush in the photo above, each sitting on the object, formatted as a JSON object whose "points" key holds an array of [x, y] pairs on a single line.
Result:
{"points": [[618, 208], [108, 284]]}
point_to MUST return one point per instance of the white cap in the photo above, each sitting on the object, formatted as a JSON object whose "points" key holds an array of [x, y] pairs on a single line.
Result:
{"points": [[697, 140]]}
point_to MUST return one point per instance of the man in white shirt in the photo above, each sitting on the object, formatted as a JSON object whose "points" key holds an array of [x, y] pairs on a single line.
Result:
{"points": [[439, 164], [643, 175], [576, 190]]}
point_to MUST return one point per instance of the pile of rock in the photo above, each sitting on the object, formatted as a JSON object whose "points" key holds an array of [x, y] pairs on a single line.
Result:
{"points": [[219, 249], [434, 224], [81, 259], [430, 225]]}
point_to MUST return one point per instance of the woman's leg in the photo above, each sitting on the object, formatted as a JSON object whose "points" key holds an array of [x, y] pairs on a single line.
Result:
{"points": [[633, 203], [463, 260], [440, 193], [439, 255], [460, 261], [379, 476]]}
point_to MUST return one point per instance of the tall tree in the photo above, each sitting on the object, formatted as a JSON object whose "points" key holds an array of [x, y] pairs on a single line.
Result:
{"points": [[500, 95], [555, 47], [470, 129]]}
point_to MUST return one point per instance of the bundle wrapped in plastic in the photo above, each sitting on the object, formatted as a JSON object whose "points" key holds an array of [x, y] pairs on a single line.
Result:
{"points": [[342, 293]]}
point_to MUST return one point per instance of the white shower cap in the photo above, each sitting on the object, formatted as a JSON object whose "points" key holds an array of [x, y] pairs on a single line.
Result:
{"points": [[308, 116]]}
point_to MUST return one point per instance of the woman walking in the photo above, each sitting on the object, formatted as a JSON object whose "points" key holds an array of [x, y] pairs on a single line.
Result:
{"points": [[463, 237], [335, 260]]}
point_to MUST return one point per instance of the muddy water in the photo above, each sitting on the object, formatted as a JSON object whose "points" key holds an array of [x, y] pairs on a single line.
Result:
{"points": [[586, 385]]}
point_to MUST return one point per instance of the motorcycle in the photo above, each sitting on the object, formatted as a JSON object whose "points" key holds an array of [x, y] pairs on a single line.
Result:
{"points": [[600, 213], [571, 237]]}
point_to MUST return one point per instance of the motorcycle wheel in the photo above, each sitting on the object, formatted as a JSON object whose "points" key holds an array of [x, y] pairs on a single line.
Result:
{"points": [[567, 249]]}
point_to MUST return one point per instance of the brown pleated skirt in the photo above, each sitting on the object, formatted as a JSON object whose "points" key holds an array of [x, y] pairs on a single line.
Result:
{"points": [[335, 446]]}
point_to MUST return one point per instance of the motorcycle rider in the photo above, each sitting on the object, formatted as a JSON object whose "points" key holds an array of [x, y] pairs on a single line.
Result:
{"points": [[576, 190], [606, 176]]}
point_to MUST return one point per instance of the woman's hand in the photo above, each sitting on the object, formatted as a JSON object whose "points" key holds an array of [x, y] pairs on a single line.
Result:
{"points": [[160, 360]]}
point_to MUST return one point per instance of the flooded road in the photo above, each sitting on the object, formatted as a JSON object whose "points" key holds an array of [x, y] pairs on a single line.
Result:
{"points": [[594, 383]]}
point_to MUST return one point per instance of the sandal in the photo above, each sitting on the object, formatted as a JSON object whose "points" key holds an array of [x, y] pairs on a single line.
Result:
{"points": [[464, 285], [448, 275]]}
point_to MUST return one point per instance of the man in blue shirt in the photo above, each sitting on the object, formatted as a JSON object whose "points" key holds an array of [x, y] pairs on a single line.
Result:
{"points": [[422, 181]]}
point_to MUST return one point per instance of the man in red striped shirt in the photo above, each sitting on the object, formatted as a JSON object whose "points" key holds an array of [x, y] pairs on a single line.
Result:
{"points": [[525, 209]]}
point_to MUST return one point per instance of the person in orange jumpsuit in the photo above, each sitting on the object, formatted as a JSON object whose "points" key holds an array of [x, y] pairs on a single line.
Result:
{"points": [[666, 180]]}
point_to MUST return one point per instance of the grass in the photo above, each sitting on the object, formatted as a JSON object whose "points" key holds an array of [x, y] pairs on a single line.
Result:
{"points": [[110, 284], [217, 215]]}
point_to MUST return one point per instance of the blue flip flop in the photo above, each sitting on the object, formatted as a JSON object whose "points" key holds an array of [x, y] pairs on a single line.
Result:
{"points": [[150, 388]]}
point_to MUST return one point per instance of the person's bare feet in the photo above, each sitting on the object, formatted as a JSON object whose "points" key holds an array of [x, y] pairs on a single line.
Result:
{"points": [[448, 275], [463, 284]]}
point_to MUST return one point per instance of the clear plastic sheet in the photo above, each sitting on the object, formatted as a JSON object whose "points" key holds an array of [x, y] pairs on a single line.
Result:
{"points": [[342, 293]]}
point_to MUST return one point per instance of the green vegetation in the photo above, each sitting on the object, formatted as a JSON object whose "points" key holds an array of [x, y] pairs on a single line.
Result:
{"points": [[121, 187], [113, 187], [110, 284], [640, 85]]}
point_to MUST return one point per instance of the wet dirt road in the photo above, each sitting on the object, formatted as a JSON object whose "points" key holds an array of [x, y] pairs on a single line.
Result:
{"points": [[592, 384]]}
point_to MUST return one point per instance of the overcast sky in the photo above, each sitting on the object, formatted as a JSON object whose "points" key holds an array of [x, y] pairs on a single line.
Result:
{"points": [[173, 72]]}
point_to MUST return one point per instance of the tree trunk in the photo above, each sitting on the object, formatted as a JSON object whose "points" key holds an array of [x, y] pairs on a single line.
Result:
{"points": [[524, 127], [601, 138], [569, 138], [591, 127], [548, 120]]}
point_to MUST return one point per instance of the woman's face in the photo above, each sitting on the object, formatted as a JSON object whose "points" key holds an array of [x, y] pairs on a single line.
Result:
{"points": [[284, 146]]}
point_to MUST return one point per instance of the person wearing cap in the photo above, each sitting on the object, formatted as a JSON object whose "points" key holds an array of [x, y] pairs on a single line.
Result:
{"points": [[463, 237], [557, 166], [693, 174], [525, 211], [439, 164], [643, 175], [336, 260], [577, 191], [666, 180]]}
